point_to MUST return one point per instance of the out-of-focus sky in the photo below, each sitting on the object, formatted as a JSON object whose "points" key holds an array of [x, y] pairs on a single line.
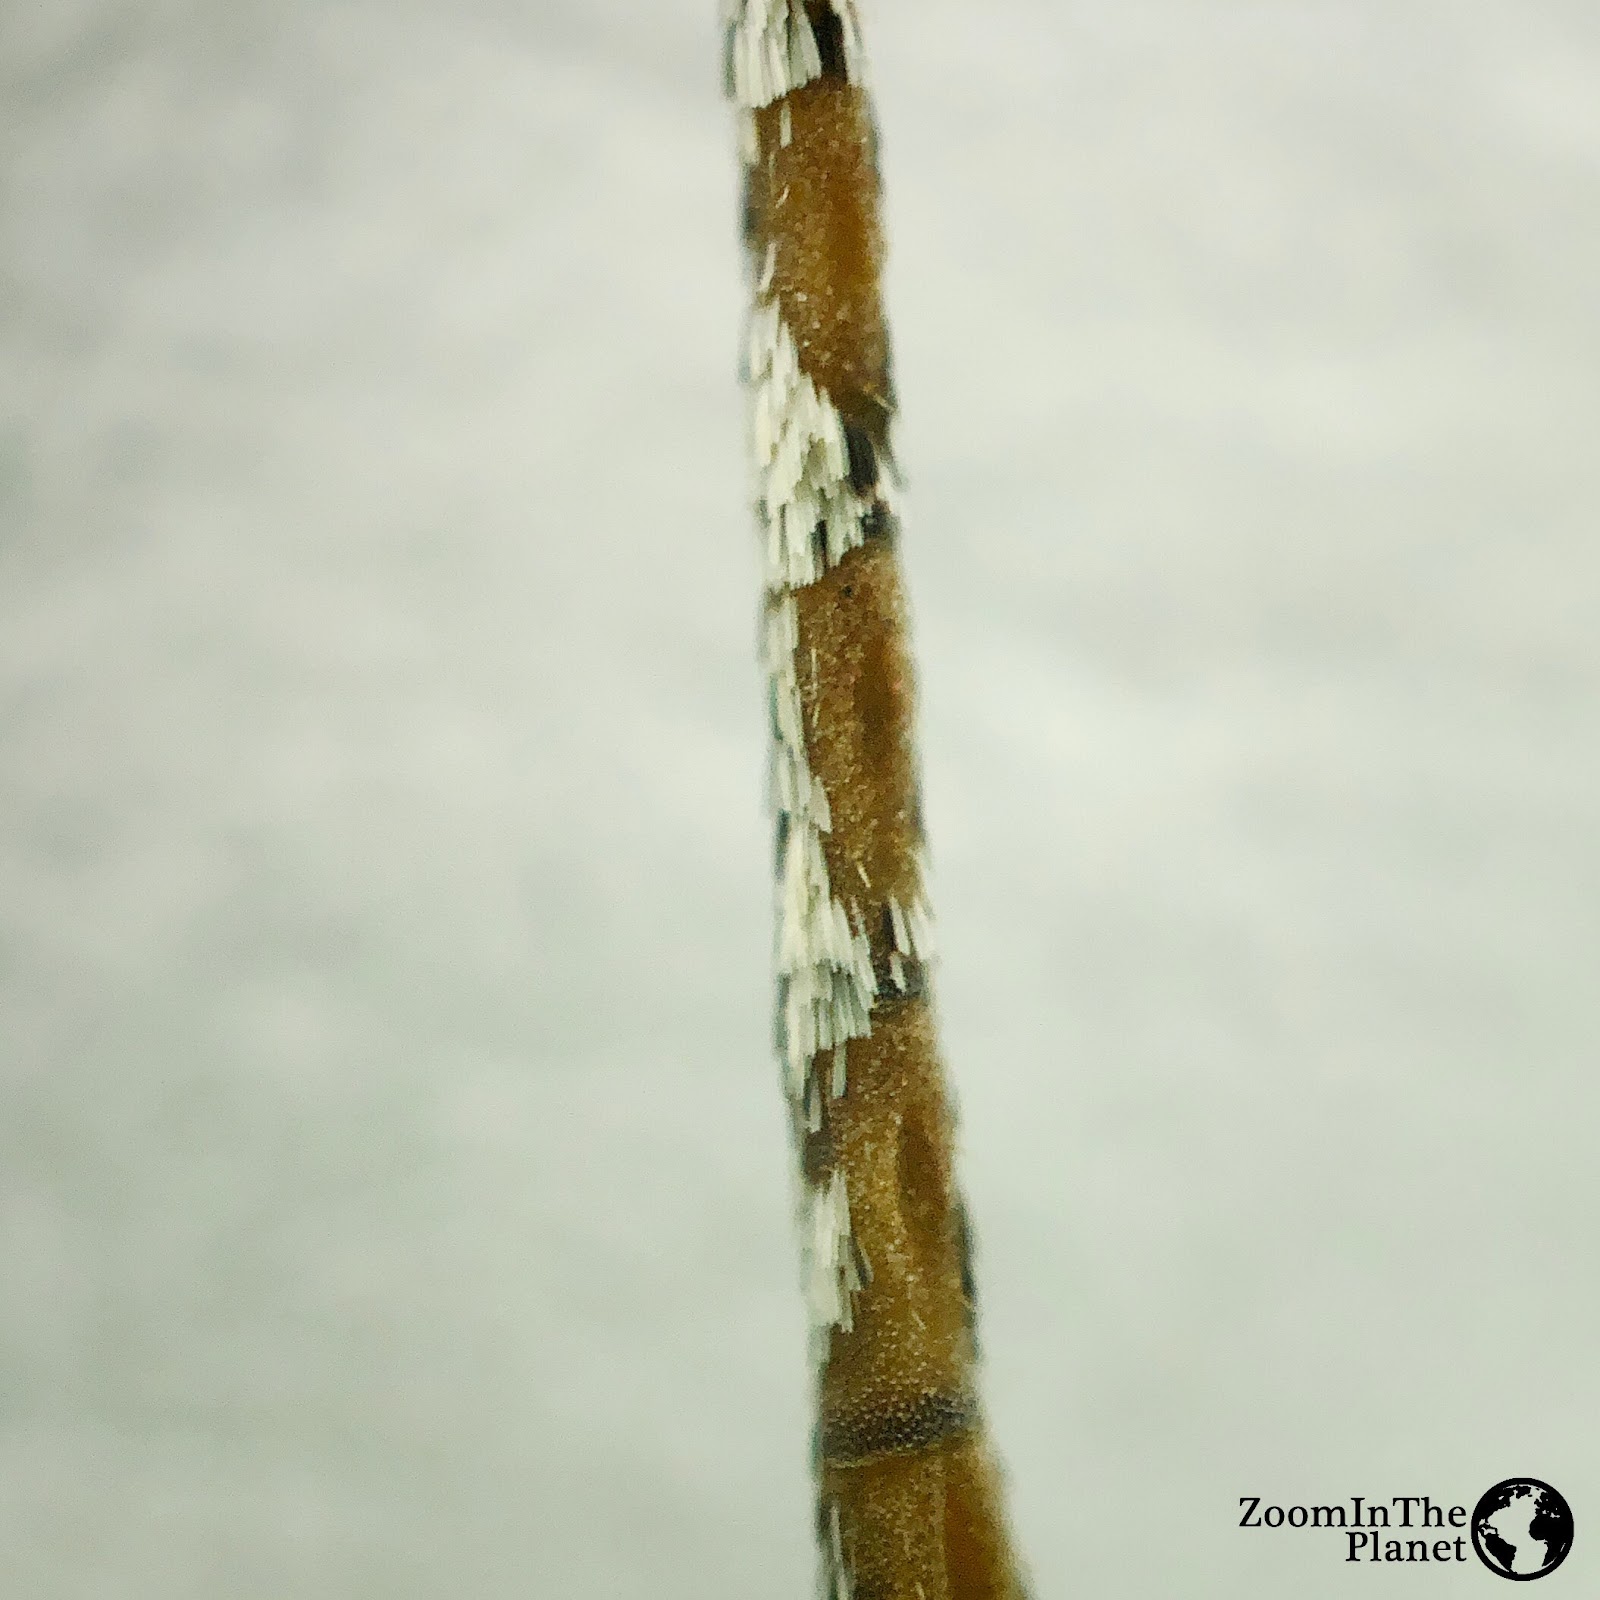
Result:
{"points": [[394, 1192]]}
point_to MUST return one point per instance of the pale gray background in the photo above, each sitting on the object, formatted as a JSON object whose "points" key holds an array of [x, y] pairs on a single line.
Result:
{"points": [[393, 1180]]}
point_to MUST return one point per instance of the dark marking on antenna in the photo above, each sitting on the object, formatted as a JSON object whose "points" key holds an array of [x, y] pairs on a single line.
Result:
{"points": [[863, 458], [828, 31], [920, 1423]]}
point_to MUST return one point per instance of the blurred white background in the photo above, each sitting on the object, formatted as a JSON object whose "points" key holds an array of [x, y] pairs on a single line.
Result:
{"points": [[393, 1178]]}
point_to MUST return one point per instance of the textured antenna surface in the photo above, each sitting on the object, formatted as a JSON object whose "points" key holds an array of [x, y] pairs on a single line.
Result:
{"points": [[908, 1493]]}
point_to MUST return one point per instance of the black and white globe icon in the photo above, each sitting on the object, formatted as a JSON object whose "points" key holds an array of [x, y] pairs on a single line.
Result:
{"points": [[1522, 1529]]}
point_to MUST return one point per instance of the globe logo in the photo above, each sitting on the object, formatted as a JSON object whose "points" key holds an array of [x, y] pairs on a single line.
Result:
{"points": [[1522, 1529]]}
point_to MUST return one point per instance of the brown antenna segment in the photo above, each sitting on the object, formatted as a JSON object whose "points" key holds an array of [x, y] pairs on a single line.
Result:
{"points": [[909, 1504]]}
